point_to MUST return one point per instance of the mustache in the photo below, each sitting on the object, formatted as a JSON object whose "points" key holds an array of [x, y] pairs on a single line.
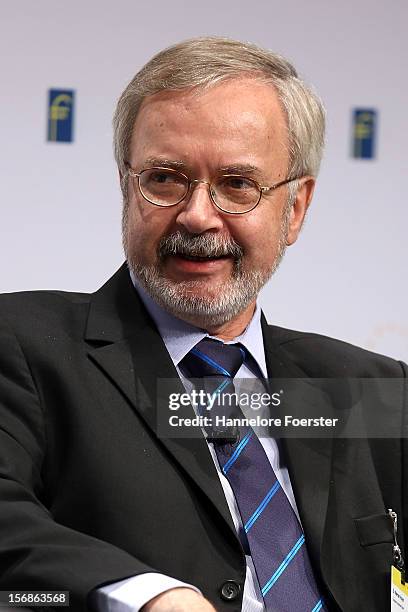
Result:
{"points": [[199, 245]]}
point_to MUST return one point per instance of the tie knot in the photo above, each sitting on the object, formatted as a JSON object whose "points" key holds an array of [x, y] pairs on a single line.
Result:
{"points": [[213, 358]]}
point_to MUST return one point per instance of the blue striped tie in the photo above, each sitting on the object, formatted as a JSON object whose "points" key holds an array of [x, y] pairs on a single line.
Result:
{"points": [[275, 537]]}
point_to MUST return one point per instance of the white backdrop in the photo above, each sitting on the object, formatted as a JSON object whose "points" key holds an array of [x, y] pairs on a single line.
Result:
{"points": [[60, 203]]}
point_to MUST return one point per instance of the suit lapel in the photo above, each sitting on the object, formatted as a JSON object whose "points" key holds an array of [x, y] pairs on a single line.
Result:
{"points": [[308, 460], [124, 342]]}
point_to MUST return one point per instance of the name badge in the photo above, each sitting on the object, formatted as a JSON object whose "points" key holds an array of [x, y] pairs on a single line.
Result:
{"points": [[399, 592], [399, 588]]}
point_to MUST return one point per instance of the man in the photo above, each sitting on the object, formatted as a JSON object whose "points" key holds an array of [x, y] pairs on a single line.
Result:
{"points": [[218, 145]]}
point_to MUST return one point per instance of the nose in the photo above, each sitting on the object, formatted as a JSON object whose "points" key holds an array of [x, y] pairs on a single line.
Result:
{"points": [[198, 213]]}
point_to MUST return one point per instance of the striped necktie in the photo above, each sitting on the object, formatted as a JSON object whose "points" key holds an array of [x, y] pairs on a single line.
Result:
{"points": [[275, 537]]}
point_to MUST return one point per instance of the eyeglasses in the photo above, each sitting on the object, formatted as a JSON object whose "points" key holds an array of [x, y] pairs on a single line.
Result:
{"points": [[230, 193]]}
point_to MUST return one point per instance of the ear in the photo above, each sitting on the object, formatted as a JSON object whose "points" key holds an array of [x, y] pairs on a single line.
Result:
{"points": [[299, 208]]}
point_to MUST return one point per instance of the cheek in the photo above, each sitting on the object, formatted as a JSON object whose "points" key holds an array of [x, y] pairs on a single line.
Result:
{"points": [[145, 228], [261, 241]]}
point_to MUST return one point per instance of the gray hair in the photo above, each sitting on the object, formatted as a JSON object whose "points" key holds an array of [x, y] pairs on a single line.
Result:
{"points": [[206, 61]]}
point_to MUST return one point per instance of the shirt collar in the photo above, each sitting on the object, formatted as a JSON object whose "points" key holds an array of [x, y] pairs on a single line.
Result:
{"points": [[180, 337]]}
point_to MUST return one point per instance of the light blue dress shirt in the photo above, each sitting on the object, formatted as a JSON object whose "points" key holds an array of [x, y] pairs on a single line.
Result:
{"points": [[179, 338]]}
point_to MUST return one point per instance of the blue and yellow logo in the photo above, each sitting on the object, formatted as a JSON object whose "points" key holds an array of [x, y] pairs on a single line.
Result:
{"points": [[60, 115], [364, 133]]}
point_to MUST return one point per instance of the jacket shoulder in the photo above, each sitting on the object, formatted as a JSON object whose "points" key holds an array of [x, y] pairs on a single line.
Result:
{"points": [[31, 312], [320, 355]]}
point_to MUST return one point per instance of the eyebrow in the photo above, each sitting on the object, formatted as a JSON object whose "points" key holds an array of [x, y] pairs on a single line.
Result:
{"points": [[165, 162], [181, 165], [239, 169]]}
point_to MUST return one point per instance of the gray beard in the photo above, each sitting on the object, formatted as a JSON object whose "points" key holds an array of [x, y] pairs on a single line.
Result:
{"points": [[187, 300]]}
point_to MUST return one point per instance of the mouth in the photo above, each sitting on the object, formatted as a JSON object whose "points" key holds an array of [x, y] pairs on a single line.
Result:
{"points": [[201, 258], [197, 264], [197, 257]]}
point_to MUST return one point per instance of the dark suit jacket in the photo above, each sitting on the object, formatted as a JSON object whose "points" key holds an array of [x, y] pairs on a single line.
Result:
{"points": [[90, 495]]}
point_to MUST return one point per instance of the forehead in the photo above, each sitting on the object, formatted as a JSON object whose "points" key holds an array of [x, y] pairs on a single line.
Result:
{"points": [[241, 116]]}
